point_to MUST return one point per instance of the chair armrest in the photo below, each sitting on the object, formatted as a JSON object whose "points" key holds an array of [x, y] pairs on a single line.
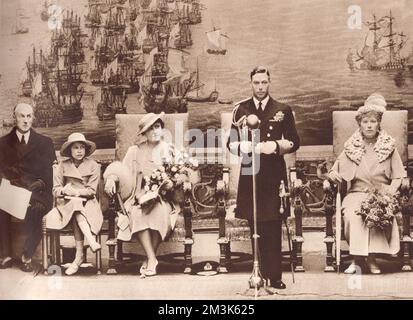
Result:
{"points": [[406, 206], [223, 184], [186, 210]]}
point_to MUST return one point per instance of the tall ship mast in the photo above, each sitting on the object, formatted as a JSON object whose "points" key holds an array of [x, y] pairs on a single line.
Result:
{"points": [[211, 97]]}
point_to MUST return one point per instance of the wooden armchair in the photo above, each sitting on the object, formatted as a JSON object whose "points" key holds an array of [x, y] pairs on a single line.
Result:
{"points": [[233, 229], [344, 125], [126, 128]]}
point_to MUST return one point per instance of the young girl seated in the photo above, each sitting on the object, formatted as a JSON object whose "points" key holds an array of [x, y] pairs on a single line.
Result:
{"points": [[75, 185]]}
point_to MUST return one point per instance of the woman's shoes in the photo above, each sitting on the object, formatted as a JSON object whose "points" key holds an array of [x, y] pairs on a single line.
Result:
{"points": [[73, 268], [373, 267], [143, 267], [352, 269], [151, 272], [6, 263]]}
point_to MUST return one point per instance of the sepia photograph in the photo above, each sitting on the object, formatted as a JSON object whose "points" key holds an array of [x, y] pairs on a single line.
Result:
{"points": [[225, 150]]}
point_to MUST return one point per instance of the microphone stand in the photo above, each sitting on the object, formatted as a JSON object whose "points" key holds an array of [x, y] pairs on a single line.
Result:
{"points": [[256, 281]]}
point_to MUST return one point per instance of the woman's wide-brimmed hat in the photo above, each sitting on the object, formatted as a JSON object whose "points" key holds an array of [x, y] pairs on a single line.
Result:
{"points": [[374, 103], [77, 137], [148, 120]]}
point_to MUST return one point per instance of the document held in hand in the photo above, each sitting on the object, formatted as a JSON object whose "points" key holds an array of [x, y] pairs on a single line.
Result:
{"points": [[14, 200]]}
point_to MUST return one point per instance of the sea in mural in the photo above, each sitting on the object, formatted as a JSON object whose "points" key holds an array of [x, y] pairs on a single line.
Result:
{"points": [[305, 43]]}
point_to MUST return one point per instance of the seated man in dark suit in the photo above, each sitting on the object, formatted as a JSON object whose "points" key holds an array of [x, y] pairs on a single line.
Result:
{"points": [[26, 160]]}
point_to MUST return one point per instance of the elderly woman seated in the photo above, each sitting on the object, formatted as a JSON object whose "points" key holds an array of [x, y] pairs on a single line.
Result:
{"points": [[153, 223], [370, 161]]}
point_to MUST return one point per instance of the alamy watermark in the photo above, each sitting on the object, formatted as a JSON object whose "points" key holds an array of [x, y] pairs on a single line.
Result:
{"points": [[354, 20]]}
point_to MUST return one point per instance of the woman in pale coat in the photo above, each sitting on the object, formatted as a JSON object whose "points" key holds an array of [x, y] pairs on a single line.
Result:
{"points": [[370, 160], [153, 224], [75, 185]]}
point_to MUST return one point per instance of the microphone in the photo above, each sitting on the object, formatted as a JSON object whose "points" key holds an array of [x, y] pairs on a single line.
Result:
{"points": [[253, 122]]}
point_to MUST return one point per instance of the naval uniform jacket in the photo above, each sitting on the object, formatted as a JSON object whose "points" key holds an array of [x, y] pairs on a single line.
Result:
{"points": [[24, 165], [277, 122]]}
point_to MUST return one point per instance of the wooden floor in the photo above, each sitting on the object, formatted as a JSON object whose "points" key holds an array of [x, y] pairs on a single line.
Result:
{"points": [[171, 284]]}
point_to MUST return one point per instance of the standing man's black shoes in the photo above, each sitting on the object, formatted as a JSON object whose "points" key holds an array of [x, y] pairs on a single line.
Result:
{"points": [[278, 284], [27, 267]]}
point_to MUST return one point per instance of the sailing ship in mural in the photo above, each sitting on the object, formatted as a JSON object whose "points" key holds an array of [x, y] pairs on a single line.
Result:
{"points": [[113, 98], [382, 48], [210, 97], [134, 47], [53, 80], [19, 27], [216, 41], [166, 82]]}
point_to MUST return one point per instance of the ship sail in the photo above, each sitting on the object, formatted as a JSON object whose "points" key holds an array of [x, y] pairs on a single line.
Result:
{"points": [[171, 6], [142, 35], [216, 42], [146, 77], [176, 66], [214, 38], [111, 69], [153, 5], [174, 34], [37, 84]]}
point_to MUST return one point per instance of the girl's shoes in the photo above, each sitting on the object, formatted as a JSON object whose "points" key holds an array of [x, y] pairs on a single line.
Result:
{"points": [[6, 263], [151, 272]]}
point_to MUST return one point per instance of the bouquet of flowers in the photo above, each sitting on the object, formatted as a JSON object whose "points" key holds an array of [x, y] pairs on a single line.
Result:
{"points": [[167, 181], [378, 209]]}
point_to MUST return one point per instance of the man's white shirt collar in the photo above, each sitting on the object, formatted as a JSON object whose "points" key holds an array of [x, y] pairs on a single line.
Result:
{"points": [[26, 136], [263, 102]]}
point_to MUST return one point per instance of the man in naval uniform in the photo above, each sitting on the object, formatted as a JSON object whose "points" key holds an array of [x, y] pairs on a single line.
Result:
{"points": [[276, 136]]}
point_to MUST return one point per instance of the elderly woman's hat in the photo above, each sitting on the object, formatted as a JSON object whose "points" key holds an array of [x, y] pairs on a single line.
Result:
{"points": [[77, 137], [374, 103], [148, 120]]}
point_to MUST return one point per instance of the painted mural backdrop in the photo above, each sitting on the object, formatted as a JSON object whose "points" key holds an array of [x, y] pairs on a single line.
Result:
{"points": [[323, 55]]}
